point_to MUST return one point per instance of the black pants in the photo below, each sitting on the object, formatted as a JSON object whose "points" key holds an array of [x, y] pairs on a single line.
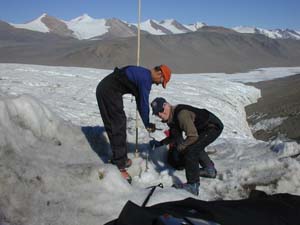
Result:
{"points": [[109, 95], [195, 154]]}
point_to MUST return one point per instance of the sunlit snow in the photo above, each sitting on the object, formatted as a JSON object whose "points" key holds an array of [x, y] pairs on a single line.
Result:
{"points": [[51, 132], [35, 25], [85, 27]]}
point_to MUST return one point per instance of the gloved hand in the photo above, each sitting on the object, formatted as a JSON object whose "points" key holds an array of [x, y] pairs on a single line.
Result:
{"points": [[151, 127], [155, 144]]}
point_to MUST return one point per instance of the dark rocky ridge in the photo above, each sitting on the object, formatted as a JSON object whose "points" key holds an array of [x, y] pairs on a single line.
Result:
{"points": [[280, 98]]}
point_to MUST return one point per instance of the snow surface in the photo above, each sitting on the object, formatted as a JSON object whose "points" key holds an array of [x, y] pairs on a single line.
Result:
{"points": [[257, 75], [51, 129]]}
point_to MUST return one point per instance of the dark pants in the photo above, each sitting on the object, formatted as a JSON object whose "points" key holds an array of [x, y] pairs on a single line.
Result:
{"points": [[195, 154], [109, 95]]}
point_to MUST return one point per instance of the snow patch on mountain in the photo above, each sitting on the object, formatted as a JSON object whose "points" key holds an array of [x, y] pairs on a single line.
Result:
{"points": [[274, 34], [247, 30], [174, 26], [196, 26], [86, 27], [151, 26], [34, 25]]}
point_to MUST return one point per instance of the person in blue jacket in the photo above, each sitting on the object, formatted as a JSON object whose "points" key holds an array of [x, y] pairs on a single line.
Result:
{"points": [[135, 80]]}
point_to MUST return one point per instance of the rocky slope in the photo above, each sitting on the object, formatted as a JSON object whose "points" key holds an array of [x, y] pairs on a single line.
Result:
{"points": [[276, 114]]}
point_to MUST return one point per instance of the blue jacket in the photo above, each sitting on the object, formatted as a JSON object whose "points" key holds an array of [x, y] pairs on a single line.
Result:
{"points": [[141, 77]]}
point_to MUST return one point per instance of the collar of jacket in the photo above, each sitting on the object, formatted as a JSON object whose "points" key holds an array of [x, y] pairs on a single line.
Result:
{"points": [[170, 119]]}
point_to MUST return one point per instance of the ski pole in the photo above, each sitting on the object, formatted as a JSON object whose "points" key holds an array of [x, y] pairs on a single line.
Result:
{"points": [[151, 192]]}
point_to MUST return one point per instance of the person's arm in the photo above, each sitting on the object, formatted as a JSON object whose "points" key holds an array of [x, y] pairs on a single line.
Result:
{"points": [[141, 78], [143, 104], [186, 123], [164, 141]]}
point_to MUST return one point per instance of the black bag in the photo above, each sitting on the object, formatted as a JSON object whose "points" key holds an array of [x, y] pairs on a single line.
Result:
{"points": [[258, 209]]}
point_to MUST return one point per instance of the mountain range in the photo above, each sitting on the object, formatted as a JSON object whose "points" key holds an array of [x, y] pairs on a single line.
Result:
{"points": [[86, 27], [105, 44]]}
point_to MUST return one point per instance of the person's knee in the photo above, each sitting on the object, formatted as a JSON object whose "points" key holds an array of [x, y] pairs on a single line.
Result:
{"points": [[190, 157], [221, 127], [175, 159]]}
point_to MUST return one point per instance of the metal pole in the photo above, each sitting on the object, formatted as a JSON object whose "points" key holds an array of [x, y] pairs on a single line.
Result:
{"points": [[138, 63], [139, 34]]}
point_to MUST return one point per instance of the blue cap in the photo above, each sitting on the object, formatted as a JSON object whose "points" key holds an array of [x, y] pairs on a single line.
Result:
{"points": [[157, 105]]}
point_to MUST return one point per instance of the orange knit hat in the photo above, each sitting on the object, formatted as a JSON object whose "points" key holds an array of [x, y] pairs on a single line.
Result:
{"points": [[166, 72]]}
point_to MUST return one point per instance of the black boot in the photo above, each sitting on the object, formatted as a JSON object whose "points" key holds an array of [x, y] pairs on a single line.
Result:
{"points": [[190, 187], [128, 162], [208, 172]]}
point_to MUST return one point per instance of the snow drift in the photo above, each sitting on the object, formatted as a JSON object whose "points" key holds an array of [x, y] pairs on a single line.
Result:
{"points": [[47, 167]]}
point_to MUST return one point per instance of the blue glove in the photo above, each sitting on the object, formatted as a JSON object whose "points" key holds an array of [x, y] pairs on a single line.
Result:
{"points": [[155, 144]]}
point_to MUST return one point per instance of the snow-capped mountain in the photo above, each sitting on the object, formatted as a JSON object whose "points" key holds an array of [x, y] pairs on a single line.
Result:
{"points": [[86, 27], [35, 25], [196, 26], [153, 27], [47, 24], [174, 26], [274, 34]]}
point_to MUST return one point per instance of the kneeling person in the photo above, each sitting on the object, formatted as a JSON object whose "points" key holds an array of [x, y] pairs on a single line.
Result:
{"points": [[201, 128]]}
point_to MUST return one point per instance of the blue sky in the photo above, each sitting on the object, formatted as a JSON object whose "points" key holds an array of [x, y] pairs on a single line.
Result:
{"points": [[229, 13]]}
